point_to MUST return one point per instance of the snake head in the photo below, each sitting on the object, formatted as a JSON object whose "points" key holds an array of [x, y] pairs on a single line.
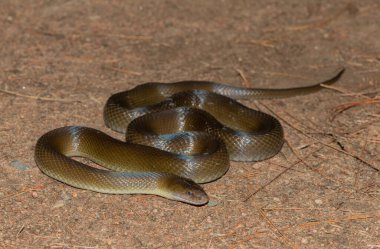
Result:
{"points": [[184, 190]]}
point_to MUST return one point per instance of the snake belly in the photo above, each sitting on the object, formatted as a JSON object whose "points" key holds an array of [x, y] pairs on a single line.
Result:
{"points": [[177, 135]]}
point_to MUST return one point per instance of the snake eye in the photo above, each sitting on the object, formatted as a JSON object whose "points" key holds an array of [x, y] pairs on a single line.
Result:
{"points": [[189, 193]]}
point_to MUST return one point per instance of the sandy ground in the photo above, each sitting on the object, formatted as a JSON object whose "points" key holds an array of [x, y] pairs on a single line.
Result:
{"points": [[61, 60]]}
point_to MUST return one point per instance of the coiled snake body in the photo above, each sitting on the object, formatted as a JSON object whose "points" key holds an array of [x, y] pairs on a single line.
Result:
{"points": [[177, 135]]}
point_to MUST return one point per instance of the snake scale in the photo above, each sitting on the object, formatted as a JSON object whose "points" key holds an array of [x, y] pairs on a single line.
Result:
{"points": [[177, 136]]}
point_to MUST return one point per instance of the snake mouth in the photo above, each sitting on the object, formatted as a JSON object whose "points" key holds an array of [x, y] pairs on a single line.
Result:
{"points": [[195, 198], [183, 189]]}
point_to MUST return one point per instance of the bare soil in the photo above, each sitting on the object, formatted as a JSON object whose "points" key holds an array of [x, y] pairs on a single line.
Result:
{"points": [[61, 60]]}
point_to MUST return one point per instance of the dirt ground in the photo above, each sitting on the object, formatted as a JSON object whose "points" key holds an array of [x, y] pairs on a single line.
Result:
{"points": [[61, 60]]}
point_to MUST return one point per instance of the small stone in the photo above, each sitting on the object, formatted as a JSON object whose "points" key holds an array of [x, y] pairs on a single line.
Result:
{"points": [[208, 219], [212, 203], [34, 194], [304, 241], [59, 204], [19, 165], [318, 201], [65, 196]]}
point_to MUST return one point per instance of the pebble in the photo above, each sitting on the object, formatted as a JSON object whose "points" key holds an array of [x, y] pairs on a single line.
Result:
{"points": [[318, 201], [212, 203], [208, 219], [59, 203], [19, 165], [65, 196]]}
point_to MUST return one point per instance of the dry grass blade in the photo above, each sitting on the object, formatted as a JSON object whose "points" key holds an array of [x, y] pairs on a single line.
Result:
{"points": [[343, 107], [276, 230], [39, 97], [352, 217], [357, 157], [27, 190], [345, 92], [281, 173]]}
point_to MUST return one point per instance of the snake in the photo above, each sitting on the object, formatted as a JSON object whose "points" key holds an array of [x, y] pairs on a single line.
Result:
{"points": [[177, 136]]}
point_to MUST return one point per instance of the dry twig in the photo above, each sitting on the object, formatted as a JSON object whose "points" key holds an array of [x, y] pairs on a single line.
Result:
{"points": [[364, 161], [343, 107], [275, 230], [39, 97], [280, 174]]}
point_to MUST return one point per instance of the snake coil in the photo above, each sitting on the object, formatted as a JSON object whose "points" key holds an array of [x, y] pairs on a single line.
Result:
{"points": [[177, 135]]}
